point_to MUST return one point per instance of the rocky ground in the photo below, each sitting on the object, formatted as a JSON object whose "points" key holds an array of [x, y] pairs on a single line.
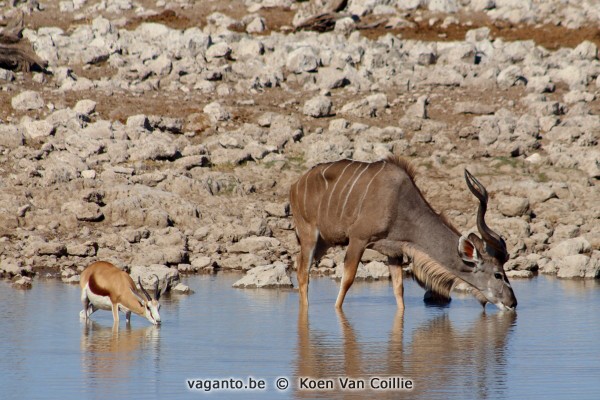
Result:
{"points": [[167, 133]]}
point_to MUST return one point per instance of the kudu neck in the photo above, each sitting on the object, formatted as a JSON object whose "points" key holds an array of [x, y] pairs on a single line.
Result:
{"points": [[439, 239]]}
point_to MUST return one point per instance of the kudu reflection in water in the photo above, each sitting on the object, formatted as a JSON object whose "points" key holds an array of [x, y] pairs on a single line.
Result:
{"points": [[439, 358], [108, 354]]}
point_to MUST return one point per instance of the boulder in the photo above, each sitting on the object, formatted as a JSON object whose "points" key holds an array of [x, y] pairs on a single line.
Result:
{"points": [[148, 274], [216, 112], [370, 106], [82, 250], [443, 6], [38, 129], [512, 206], [27, 100], [85, 107], [11, 136], [303, 59], [509, 76], [42, 248], [219, 50], [22, 282], [419, 109], [374, 270], [331, 78], [14, 268], [83, 211], [579, 266], [153, 147], [409, 4], [180, 288], [569, 247], [281, 210], [586, 50], [319, 106], [267, 276]]}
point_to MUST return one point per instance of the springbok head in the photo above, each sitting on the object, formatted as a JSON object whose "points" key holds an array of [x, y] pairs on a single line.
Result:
{"points": [[151, 305], [485, 257]]}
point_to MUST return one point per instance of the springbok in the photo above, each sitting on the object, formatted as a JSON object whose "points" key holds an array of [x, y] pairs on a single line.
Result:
{"points": [[378, 205], [106, 287]]}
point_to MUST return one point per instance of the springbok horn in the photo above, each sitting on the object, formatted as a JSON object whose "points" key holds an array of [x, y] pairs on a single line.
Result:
{"points": [[489, 236], [144, 290], [156, 290]]}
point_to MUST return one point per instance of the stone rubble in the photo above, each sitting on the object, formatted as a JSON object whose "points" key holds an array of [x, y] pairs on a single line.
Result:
{"points": [[203, 192]]}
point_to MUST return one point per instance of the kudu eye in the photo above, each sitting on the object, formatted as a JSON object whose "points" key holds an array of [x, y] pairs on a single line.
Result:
{"points": [[498, 275]]}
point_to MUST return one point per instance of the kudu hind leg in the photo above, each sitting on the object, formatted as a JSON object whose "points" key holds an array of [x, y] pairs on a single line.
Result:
{"points": [[395, 268], [354, 252], [310, 253], [308, 246]]}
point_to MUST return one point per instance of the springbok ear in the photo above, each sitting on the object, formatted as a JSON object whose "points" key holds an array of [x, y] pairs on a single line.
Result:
{"points": [[467, 250]]}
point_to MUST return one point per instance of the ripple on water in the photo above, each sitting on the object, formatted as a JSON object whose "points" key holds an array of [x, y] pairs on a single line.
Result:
{"points": [[548, 349]]}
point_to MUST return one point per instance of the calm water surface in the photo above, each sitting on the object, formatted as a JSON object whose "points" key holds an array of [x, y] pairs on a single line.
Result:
{"points": [[548, 349]]}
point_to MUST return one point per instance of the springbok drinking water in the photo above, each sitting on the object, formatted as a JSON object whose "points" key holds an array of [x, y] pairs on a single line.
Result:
{"points": [[378, 205], [106, 287]]}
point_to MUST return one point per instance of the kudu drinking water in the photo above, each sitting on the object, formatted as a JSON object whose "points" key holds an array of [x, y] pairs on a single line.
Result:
{"points": [[378, 205]]}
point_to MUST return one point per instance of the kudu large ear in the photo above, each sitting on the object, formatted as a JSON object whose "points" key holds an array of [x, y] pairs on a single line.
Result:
{"points": [[467, 249]]}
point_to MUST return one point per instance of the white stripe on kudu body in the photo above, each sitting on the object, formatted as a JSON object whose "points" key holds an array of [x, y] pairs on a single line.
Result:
{"points": [[352, 187], [305, 191], [335, 185], [323, 175], [362, 199], [343, 189], [378, 205]]}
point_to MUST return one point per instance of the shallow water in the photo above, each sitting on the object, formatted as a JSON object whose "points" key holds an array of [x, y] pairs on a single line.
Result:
{"points": [[548, 349]]}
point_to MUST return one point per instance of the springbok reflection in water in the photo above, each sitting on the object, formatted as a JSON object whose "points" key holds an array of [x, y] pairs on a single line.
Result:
{"points": [[111, 355], [441, 357]]}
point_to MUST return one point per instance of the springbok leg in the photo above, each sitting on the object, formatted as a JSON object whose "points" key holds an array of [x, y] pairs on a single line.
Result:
{"points": [[115, 313], [91, 309], [396, 274], [355, 250], [84, 314]]}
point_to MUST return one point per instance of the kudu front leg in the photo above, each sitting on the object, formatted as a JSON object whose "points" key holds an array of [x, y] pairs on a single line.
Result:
{"points": [[355, 250], [394, 265]]}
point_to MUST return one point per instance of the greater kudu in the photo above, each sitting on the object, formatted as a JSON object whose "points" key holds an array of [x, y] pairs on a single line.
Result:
{"points": [[378, 205]]}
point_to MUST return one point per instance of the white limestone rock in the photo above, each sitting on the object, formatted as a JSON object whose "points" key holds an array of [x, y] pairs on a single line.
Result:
{"points": [[266, 276]]}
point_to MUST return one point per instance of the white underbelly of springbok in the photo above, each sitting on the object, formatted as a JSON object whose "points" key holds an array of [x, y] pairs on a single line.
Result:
{"points": [[101, 302]]}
